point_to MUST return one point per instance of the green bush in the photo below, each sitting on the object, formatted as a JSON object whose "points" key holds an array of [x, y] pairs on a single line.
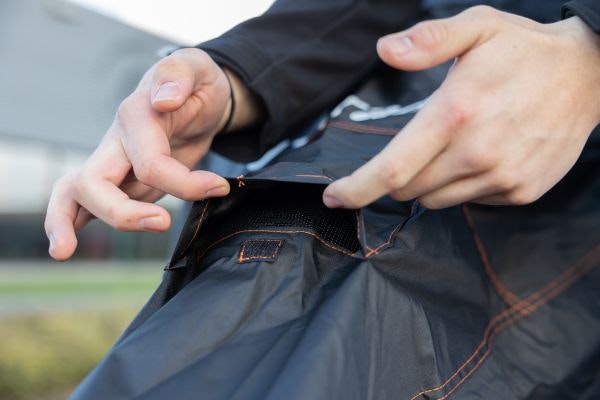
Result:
{"points": [[49, 353]]}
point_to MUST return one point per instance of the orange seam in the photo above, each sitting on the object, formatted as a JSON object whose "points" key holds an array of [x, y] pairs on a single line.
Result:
{"points": [[276, 231], [505, 294], [590, 257], [376, 251], [351, 126], [197, 227], [540, 295], [315, 176], [275, 251], [514, 318], [507, 312]]}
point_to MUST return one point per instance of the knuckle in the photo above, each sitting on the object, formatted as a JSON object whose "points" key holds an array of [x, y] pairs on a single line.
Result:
{"points": [[523, 195], [399, 195], [171, 62], [490, 15], [79, 187], [126, 107], [146, 170], [482, 11], [431, 33], [117, 219], [459, 111], [392, 174], [62, 183], [505, 181], [428, 203], [178, 63], [186, 193], [478, 158]]}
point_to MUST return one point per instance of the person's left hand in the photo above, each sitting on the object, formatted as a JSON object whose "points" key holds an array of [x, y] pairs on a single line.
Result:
{"points": [[508, 123]]}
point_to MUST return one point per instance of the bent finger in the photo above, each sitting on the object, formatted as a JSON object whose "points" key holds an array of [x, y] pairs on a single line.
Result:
{"points": [[460, 191], [421, 140], [108, 203], [59, 223], [82, 219]]}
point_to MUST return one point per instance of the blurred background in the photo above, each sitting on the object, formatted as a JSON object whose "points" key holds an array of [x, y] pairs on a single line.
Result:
{"points": [[64, 68]]}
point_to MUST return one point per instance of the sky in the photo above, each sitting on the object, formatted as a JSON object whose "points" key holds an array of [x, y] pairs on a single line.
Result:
{"points": [[182, 21]]}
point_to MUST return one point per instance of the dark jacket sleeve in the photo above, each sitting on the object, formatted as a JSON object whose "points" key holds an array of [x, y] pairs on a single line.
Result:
{"points": [[587, 10], [300, 57]]}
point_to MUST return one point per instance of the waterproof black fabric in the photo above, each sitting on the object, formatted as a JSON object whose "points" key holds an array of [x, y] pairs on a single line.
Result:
{"points": [[269, 295], [302, 57]]}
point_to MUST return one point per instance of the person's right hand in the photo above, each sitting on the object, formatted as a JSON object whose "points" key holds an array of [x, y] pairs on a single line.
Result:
{"points": [[160, 131]]}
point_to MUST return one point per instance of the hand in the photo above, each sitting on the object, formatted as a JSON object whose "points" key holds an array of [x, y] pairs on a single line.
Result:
{"points": [[509, 121], [160, 131]]}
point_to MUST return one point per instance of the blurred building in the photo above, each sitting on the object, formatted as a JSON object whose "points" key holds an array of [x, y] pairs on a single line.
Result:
{"points": [[64, 68], [63, 72]]}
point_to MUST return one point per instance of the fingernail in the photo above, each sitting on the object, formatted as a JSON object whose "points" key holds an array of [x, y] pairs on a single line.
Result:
{"points": [[51, 239], [401, 45], [167, 91], [331, 201], [152, 223], [217, 191]]}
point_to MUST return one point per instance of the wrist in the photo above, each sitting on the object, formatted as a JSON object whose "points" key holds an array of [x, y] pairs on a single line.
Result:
{"points": [[228, 115], [585, 46], [244, 108]]}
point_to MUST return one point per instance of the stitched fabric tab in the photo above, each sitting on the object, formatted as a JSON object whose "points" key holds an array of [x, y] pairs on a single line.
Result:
{"points": [[260, 250]]}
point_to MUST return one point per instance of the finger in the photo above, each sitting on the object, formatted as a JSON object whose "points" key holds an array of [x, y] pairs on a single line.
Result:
{"points": [[147, 147], [82, 219], [461, 191], [96, 189], [61, 212], [434, 42], [421, 140], [104, 200], [177, 76], [449, 166], [494, 200]]}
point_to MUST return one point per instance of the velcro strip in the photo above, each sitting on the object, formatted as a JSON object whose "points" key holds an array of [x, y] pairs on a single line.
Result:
{"points": [[260, 250]]}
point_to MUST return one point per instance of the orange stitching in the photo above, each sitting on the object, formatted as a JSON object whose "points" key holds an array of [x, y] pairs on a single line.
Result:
{"points": [[376, 251], [315, 176], [361, 128], [590, 257], [505, 294], [514, 318], [354, 255], [275, 251], [197, 228], [576, 271]]}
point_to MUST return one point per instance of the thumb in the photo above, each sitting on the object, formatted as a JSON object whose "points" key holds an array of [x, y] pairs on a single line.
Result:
{"points": [[434, 42], [172, 83]]}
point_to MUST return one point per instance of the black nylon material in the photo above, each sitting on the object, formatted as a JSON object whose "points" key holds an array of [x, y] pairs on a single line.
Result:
{"points": [[392, 302]]}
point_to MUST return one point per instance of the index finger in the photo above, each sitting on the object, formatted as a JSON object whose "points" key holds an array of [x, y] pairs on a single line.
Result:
{"points": [[421, 140], [146, 144]]}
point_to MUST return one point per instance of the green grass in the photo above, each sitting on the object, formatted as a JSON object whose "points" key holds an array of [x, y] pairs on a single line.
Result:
{"points": [[43, 354], [58, 320]]}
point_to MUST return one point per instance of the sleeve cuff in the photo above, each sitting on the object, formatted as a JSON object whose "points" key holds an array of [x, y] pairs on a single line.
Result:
{"points": [[247, 60], [588, 14]]}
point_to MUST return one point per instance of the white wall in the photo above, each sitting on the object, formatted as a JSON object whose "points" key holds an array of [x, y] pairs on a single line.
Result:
{"points": [[183, 21]]}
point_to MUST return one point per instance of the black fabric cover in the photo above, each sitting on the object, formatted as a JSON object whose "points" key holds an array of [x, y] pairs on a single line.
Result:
{"points": [[388, 302]]}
